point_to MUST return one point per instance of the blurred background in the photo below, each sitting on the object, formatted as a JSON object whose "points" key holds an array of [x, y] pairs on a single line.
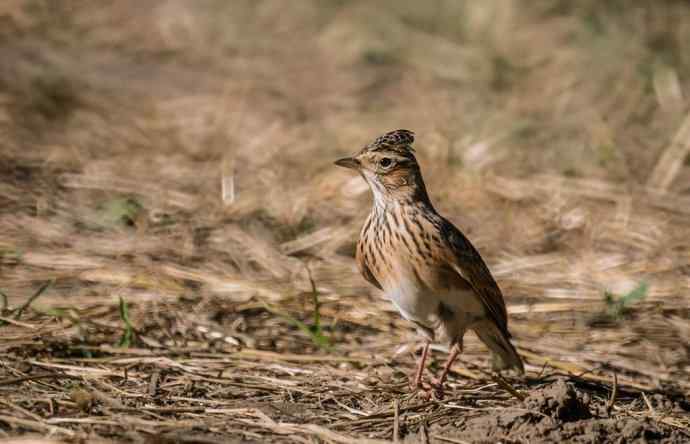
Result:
{"points": [[178, 155]]}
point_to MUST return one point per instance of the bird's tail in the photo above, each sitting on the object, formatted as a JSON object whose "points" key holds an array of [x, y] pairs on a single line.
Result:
{"points": [[503, 352]]}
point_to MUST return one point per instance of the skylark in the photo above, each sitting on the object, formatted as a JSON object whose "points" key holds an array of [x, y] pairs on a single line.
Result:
{"points": [[422, 262]]}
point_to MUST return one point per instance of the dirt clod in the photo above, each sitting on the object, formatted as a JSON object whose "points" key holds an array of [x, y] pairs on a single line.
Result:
{"points": [[559, 401], [559, 412]]}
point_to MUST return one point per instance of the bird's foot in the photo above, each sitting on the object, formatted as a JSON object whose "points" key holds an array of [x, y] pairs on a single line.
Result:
{"points": [[415, 383], [429, 391], [437, 386], [419, 387]]}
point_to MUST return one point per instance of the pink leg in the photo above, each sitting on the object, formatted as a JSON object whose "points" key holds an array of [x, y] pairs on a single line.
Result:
{"points": [[420, 365], [438, 383]]}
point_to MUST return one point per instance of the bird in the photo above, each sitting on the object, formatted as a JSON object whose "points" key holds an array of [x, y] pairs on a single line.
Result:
{"points": [[426, 266]]}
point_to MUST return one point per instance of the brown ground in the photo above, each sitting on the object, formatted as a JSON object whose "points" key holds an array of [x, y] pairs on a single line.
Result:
{"points": [[174, 309]]}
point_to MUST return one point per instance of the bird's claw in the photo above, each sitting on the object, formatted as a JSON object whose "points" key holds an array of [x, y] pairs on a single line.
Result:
{"points": [[437, 387], [434, 390]]}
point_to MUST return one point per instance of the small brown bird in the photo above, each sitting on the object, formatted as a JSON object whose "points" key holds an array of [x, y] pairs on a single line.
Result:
{"points": [[424, 265]]}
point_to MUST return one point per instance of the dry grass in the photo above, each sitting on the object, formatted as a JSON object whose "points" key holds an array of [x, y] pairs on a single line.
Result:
{"points": [[178, 155]]}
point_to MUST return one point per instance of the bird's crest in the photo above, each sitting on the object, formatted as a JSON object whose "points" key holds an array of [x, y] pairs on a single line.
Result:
{"points": [[399, 140]]}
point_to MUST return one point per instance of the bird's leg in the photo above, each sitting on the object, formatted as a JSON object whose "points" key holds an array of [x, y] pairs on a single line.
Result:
{"points": [[455, 350], [417, 383]]}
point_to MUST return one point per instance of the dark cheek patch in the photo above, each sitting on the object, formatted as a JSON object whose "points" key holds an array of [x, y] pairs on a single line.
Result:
{"points": [[395, 177]]}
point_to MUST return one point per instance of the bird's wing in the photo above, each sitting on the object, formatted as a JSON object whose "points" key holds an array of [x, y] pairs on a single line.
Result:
{"points": [[364, 268], [467, 262], [369, 276]]}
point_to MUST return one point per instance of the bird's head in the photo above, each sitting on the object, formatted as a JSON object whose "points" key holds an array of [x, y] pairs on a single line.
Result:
{"points": [[390, 168]]}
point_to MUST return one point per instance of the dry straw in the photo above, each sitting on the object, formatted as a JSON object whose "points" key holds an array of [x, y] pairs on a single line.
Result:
{"points": [[118, 130]]}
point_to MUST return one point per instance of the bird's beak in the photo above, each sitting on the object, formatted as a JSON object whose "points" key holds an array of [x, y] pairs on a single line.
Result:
{"points": [[348, 162]]}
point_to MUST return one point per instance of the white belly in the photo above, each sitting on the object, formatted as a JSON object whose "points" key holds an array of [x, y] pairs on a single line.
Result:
{"points": [[417, 303], [414, 303]]}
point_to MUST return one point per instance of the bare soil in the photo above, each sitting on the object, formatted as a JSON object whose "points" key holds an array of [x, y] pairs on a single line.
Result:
{"points": [[560, 411]]}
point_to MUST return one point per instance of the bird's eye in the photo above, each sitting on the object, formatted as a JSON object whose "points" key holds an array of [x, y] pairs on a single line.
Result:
{"points": [[385, 162]]}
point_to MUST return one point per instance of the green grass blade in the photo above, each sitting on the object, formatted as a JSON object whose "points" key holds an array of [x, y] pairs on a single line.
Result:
{"points": [[128, 333], [618, 305], [315, 334], [35, 296], [4, 302], [638, 294]]}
